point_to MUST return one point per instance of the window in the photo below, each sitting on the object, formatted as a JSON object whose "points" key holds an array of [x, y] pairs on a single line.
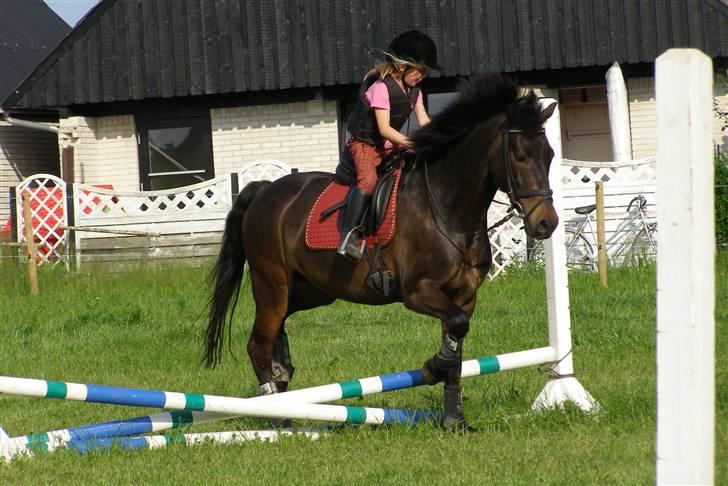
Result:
{"points": [[436, 102], [585, 94], [174, 151]]}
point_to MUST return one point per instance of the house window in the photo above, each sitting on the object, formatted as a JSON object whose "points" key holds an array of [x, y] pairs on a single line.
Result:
{"points": [[174, 151], [437, 102], [583, 94]]}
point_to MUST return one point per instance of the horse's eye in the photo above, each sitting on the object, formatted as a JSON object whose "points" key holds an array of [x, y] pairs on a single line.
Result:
{"points": [[521, 158]]}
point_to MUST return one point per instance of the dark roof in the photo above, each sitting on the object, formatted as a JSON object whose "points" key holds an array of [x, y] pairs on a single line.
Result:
{"points": [[132, 50], [29, 30]]}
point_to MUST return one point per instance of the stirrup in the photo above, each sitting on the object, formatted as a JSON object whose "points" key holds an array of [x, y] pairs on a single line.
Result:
{"points": [[342, 250]]}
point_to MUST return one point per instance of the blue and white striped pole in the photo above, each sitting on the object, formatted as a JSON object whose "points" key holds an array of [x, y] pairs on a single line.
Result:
{"points": [[318, 394], [160, 441], [103, 433], [48, 441], [191, 403]]}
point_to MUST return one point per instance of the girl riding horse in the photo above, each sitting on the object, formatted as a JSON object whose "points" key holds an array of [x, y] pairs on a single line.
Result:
{"points": [[490, 137]]}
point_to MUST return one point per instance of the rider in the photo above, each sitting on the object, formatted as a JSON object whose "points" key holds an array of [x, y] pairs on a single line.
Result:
{"points": [[386, 99]]}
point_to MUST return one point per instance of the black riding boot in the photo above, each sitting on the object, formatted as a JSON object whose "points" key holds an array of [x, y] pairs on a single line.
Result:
{"points": [[351, 245]]}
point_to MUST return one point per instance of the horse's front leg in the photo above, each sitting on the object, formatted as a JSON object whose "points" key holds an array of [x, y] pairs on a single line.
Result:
{"points": [[446, 364]]}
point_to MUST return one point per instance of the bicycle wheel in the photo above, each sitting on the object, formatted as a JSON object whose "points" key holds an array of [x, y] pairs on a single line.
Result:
{"points": [[580, 253], [643, 247]]}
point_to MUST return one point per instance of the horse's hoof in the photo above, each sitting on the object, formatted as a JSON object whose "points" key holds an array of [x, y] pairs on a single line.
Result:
{"points": [[458, 425], [430, 374]]}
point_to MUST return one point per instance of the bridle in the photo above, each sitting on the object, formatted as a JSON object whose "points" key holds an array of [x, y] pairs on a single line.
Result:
{"points": [[514, 192]]}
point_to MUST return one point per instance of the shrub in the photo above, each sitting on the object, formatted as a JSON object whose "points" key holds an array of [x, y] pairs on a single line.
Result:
{"points": [[721, 200]]}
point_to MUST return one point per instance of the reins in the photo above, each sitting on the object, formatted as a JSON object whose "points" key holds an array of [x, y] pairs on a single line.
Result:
{"points": [[437, 214]]}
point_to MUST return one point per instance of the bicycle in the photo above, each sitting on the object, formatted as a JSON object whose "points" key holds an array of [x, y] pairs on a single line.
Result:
{"points": [[633, 241]]}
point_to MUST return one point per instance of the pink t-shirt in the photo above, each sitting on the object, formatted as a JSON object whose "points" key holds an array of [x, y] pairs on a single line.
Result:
{"points": [[378, 97]]}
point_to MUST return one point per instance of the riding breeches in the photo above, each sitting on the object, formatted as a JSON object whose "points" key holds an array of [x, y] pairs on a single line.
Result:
{"points": [[366, 160]]}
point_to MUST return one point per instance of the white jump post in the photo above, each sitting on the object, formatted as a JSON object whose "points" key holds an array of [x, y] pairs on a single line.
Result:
{"points": [[564, 387], [685, 269]]}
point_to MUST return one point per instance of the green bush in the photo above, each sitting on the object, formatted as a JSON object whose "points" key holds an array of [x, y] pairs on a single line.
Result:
{"points": [[721, 199]]}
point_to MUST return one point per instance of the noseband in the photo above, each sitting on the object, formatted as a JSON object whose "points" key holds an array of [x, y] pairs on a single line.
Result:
{"points": [[514, 192]]}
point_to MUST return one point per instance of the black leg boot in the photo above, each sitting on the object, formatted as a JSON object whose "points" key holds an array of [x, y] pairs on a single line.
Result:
{"points": [[351, 244]]}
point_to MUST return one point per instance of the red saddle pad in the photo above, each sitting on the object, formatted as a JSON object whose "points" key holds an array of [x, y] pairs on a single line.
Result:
{"points": [[325, 234]]}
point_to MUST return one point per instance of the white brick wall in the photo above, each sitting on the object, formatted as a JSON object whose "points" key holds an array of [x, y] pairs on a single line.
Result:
{"points": [[303, 135], [641, 93], [642, 115], [24, 152], [105, 150]]}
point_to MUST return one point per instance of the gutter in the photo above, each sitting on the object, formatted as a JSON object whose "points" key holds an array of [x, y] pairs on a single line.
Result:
{"points": [[29, 124]]}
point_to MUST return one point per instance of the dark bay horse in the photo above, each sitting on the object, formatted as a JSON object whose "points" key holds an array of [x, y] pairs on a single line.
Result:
{"points": [[490, 137]]}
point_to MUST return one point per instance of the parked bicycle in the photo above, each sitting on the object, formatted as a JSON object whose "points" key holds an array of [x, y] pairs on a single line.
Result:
{"points": [[634, 240]]}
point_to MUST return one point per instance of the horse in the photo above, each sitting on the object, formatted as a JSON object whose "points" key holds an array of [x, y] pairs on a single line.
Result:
{"points": [[489, 137]]}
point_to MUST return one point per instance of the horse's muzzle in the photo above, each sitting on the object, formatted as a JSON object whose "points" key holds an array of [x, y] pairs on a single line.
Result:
{"points": [[541, 221]]}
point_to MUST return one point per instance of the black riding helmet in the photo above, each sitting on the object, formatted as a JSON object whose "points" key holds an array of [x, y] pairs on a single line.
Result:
{"points": [[414, 46]]}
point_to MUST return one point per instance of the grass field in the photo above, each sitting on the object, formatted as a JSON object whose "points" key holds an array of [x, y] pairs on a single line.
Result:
{"points": [[144, 330]]}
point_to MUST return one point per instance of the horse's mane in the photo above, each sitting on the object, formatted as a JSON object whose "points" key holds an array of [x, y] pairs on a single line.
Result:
{"points": [[479, 99]]}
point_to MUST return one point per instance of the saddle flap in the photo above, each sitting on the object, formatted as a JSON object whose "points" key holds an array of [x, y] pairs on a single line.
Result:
{"points": [[378, 205], [324, 233]]}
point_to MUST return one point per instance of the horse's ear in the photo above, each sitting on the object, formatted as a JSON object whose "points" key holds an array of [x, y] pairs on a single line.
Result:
{"points": [[546, 114]]}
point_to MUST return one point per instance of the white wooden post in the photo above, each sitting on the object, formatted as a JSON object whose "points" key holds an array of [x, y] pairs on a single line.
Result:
{"points": [[685, 269], [564, 387]]}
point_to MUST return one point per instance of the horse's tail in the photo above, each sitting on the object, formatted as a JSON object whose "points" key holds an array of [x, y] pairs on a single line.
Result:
{"points": [[227, 274]]}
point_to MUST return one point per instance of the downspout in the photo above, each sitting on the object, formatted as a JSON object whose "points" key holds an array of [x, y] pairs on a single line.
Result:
{"points": [[29, 124]]}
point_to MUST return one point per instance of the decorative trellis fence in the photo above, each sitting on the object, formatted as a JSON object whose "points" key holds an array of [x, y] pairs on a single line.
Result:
{"points": [[189, 220], [623, 181], [48, 214]]}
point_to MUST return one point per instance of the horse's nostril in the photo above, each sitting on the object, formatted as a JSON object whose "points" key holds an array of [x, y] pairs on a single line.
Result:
{"points": [[544, 226]]}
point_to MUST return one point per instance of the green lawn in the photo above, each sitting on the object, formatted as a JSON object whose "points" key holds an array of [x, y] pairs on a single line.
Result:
{"points": [[144, 330]]}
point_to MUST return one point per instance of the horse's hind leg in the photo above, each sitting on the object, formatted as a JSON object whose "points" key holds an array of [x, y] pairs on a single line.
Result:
{"points": [[270, 291], [282, 365], [268, 344], [302, 296]]}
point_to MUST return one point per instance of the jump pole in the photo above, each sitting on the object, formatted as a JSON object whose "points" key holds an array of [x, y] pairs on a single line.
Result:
{"points": [[86, 434], [685, 269], [102, 433], [165, 421], [159, 441], [306, 396]]}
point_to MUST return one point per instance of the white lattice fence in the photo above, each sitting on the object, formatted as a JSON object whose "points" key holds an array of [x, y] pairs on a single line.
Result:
{"points": [[579, 172], [262, 170], [48, 215], [507, 241], [622, 182], [189, 220], [104, 205]]}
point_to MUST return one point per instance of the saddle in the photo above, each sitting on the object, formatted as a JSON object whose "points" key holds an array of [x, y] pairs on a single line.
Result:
{"points": [[323, 227]]}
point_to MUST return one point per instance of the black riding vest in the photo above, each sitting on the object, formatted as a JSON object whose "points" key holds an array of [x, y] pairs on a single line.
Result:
{"points": [[363, 124]]}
